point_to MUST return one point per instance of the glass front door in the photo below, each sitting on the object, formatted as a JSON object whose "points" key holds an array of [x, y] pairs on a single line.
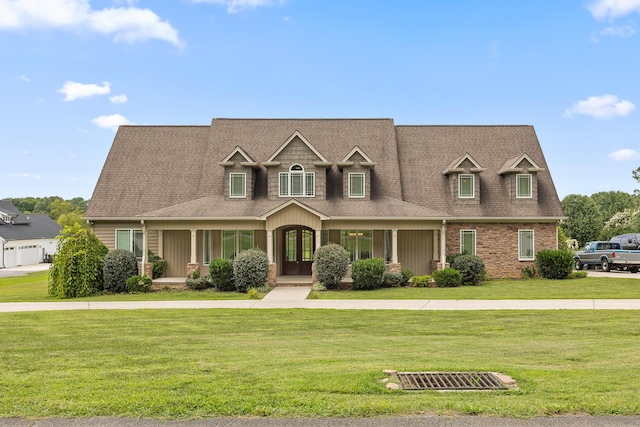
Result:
{"points": [[298, 244]]}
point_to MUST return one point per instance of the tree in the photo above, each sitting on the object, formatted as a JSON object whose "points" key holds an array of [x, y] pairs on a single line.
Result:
{"points": [[72, 218], [77, 265], [612, 202], [584, 219]]}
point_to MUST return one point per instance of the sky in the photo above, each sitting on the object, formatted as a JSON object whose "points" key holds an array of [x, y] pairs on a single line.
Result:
{"points": [[72, 71]]}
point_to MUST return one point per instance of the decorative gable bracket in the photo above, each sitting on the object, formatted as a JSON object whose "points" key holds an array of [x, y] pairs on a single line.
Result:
{"points": [[519, 164], [457, 165], [347, 162], [248, 161]]}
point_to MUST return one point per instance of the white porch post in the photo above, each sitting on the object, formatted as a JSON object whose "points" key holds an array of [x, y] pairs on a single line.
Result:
{"points": [[394, 246], [270, 246], [193, 247], [145, 246], [318, 238], [161, 243], [443, 243]]}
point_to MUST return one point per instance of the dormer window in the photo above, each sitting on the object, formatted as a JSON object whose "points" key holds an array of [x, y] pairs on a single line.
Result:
{"points": [[297, 182], [466, 186], [356, 185], [523, 186], [238, 185]]}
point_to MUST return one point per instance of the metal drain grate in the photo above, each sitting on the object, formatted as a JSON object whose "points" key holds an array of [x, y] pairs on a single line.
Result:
{"points": [[449, 381]]}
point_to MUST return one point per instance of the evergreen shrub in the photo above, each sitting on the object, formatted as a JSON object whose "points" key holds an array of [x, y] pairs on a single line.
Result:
{"points": [[471, 268], [406, 276], [139, 284], [331, 261], [250, 269], [447, 278], [367, 273], [554, 264], [221, 273], [119, 265], [423, 281], [392, 280]]}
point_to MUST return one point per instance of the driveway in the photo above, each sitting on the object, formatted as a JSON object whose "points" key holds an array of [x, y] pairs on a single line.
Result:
{"points": [[613, 274], [23, 270]]}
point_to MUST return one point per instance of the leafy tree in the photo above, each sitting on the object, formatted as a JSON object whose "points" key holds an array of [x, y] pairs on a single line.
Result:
{"points": [[72, 218], [77, 265], [584, 219], [59, 207], [613, 202], [623, 222]]}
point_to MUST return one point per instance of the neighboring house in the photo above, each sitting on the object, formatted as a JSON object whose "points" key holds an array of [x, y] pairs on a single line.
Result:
{"points": [[408, 194], [25, 239]]}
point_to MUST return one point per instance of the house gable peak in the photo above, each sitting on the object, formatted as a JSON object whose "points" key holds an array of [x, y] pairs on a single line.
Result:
{"points": [[457, 166], [272, 160], [519, 164], [248, 161]]}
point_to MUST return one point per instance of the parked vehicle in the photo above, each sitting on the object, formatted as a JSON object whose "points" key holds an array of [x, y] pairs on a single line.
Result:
{"points": [[627, 241], [607, 255]]}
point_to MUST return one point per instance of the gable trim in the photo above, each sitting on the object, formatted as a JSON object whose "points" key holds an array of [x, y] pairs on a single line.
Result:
{"points": [[511, 165], [454, 167], [267, 214], [248, 160], [295, 134]]}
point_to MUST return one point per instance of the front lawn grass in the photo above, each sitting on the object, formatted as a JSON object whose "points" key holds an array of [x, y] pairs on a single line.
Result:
{"points": [[587, 288], [33, 288], [176, 364]]}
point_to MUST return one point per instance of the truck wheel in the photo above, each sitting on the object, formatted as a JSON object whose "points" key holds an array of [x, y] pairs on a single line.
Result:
{"points": [[634, 270], [605, 265], [578, 265]]}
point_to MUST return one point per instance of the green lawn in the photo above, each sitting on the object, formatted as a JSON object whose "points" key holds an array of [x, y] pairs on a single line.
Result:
{"points": [[588, 288], [33, 288], [312, 363]]}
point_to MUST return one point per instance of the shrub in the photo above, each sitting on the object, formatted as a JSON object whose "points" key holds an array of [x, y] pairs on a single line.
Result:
{"points": [[196, 283], [318, 287], [447, 278], [77, 265], [529, 272], [221, 272], [158, 267], [250, 269], [556, 264], [139, 284], [331, 261], [422, 281], [253, 293], [406, 276], [367, 273], [578, 275], [471, 268], [392, 280], [119, 265]]}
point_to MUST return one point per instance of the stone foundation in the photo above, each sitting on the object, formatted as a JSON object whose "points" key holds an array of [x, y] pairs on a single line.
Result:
{"points": [[193, 267], [394, 267], [273, 275]]}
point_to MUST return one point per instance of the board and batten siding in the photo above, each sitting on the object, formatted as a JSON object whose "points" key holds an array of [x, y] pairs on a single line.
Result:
{"points": [[415, 250], [106, 232], [177, 252]]}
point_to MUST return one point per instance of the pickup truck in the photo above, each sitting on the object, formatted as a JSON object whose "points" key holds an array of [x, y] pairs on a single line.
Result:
{"points": [[607, 255]]}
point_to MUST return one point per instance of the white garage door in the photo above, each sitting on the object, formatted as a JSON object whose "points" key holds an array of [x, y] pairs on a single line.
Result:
{"points": [[28, 255], [9, 256]]}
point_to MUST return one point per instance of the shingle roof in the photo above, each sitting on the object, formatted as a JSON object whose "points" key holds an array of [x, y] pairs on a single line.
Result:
{"points": [[173, 171], [26, 226]]}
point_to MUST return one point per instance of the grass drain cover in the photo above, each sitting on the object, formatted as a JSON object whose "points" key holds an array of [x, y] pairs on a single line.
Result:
{"points": [[459, 381]]}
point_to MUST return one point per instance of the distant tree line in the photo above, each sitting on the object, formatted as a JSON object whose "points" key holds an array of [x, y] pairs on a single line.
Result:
{"points": [[601, 215], [64, 212]]}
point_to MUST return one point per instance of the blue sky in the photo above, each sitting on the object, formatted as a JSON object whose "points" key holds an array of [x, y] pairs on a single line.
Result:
{"points": [[73, 70]]}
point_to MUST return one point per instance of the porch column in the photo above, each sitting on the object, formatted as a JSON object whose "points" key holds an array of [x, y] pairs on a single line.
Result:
{"points": [[270, 246], [145, 247], [443, 244], [318, 238], [394, 246], [193, 247], [161, 243]]}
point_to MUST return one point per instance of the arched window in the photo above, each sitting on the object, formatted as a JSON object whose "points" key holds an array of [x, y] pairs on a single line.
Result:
{"points": [[297, 182]]}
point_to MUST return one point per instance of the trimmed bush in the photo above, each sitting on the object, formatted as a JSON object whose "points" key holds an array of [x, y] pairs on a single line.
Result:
{"points": [[221, 273], [331, 261], [406, 276], [367, 273], [422, 281], [139, 284], [250, 269], [158, 267], [447, 278], [471, 268], [392, 280], [77, 265], [554, 264], [119, 265]]}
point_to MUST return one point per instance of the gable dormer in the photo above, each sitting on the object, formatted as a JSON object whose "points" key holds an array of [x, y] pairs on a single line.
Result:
{"points": [[356, 175], [297, 169], [239, 175], [521, 179], [464, 180]]}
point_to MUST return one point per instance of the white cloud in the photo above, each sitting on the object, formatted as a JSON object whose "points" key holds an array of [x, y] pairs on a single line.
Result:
{"points": [[111, 122], [73, 90], [234, 6], [23, 78], [26, 175], [624, 31], [625, 154], [601, 107], [118, 99], [129, 24], [612, 9]]}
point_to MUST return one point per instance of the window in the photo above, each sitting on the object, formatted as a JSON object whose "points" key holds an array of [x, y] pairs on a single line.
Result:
{"points": [[297, 182], [525, 245], [238, 185], [465, 186], [206, 249], [523, 186], [236, 241], [359, 243], [130, 240], [468, 242], [356, 185]]}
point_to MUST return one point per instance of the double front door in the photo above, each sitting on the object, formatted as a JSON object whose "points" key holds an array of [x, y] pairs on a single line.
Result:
{"points": [[298, 243]]}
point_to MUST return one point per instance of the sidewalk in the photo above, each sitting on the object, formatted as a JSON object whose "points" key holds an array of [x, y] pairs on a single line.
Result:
{"points": [[295, 297]]}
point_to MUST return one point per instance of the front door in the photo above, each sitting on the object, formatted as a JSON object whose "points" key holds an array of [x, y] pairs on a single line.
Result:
{"points": [[298, 243]]}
